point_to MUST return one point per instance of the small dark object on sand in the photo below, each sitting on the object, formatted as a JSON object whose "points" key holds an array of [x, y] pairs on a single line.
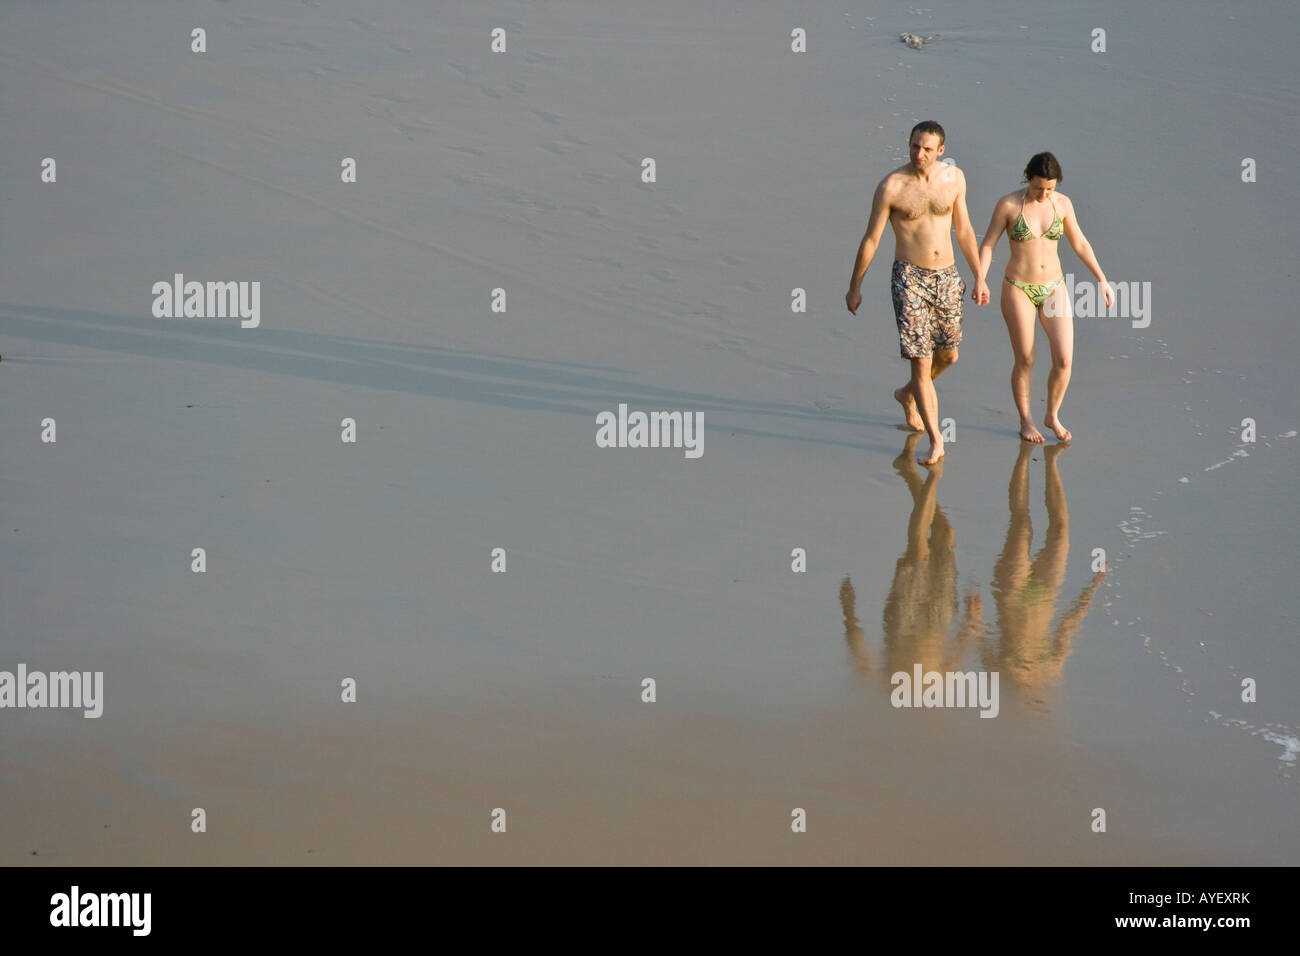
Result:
{"points": [[916, 42]]}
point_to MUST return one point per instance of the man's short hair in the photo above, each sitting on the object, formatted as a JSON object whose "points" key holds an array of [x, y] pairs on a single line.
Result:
{"points": [[927, 126]]}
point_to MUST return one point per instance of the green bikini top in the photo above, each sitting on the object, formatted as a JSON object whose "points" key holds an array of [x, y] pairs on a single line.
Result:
{"points": [[1020, 231]]}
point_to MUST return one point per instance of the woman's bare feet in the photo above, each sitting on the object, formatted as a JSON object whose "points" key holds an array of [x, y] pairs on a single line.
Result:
{"points": [[1060, 431], [904, 397], [1029, 433], [933, 455]]}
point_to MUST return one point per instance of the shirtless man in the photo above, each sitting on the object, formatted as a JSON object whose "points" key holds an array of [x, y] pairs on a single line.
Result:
{"points": [[924, 201]]}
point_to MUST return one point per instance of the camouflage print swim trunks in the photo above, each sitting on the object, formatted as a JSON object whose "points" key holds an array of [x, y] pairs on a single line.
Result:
{"points": [[927, 306]]}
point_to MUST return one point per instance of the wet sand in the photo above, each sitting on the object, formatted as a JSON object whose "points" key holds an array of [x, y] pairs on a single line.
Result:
{"points": [[523, 690], [597, 781]]}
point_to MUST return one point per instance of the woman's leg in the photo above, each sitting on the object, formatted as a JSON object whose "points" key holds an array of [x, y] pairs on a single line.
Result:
{"points": [[1058, 323], [1018, 313]]}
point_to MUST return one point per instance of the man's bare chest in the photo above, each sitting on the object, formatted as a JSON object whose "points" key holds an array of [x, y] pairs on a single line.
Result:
{"points": [[918, 204]]}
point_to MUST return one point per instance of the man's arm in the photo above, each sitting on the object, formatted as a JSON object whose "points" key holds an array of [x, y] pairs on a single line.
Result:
{"points": [[997, 226], [871, 240], [965, 231]]}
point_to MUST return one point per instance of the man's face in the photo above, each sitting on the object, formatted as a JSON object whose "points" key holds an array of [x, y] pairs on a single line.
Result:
{"points": [[925, 150]]}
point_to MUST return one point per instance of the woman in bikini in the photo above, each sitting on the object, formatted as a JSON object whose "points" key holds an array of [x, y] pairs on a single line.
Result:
{"points": [[1034, 219]]}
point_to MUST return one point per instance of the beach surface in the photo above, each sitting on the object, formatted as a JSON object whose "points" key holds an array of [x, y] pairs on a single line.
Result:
{"points": [[523, 691]]}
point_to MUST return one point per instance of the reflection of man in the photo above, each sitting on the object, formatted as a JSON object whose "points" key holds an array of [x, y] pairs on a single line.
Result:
{"points": [[923, 597], [1025, 590], [853, 634]]}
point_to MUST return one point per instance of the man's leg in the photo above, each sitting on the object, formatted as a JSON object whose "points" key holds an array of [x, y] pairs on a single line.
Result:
{"points": [[927, 402], [906, 305], [945, 336], [944, 359], [917, 293], [905, 398]]}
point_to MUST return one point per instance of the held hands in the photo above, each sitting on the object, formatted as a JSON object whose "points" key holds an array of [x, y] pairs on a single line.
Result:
{"points": [[853, 299], [981, 294]]}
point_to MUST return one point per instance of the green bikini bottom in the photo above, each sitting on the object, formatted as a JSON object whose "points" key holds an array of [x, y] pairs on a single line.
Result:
{"points": [[1037, 293]]}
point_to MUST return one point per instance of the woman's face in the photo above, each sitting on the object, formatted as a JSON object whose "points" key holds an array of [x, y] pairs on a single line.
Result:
{"points": [[1040, 188]]}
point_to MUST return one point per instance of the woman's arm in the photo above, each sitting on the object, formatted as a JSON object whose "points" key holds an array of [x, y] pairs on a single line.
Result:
{"points": [[1083, 249], [1079, 242]]}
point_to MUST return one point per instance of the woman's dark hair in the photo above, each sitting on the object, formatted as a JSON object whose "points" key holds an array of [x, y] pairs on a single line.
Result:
{"points": [[1044, 166]]}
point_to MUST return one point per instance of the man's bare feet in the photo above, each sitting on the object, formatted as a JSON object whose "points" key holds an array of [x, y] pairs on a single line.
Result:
{"points": [[904, 397], [1060, 431], [1031, 434], [935, 453]]}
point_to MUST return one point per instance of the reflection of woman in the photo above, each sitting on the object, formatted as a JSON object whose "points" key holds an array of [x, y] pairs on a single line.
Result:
{"points": [[1025, 590], [1034, 220]]}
